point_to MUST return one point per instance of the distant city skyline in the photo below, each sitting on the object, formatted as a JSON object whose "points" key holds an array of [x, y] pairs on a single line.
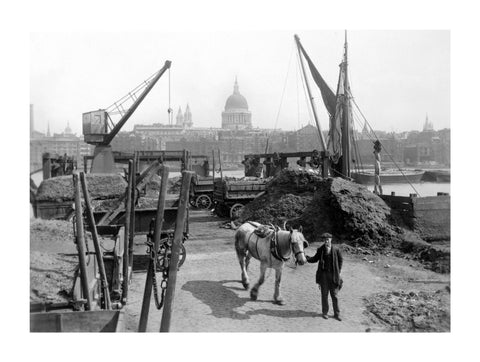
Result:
{"points": [[397, 77]]}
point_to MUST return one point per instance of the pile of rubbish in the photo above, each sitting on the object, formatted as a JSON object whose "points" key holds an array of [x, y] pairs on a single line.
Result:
{"points": [[54, 259], [410, 312], [347, 210], [100, 186]]}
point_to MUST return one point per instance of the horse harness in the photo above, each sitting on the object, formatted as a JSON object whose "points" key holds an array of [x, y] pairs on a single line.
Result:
{"points": [[265, 232]]}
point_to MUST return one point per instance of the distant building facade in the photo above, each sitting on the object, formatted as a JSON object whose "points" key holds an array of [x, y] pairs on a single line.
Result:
{"points": [[236, 115], [60, 143]]}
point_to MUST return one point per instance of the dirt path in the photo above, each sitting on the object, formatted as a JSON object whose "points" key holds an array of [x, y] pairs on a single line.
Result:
{"points": [[210, 298]]}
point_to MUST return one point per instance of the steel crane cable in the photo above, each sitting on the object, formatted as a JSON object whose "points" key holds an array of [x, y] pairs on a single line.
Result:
{"points": [[170, 111]]}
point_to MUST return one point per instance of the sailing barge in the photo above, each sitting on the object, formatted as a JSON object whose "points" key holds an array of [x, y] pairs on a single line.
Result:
{"points": [[430, 216]]}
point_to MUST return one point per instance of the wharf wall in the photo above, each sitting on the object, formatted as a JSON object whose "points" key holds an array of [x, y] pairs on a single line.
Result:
{"points": [[428, 216]]}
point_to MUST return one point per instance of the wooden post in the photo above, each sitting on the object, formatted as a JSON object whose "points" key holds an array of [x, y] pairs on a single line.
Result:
{"points": [[213, 165], [117, 208], [152, 263], [220, 164], [177, 242], [132, 217], [96, 243], [46, 166], [81, 242], [126, 240]]}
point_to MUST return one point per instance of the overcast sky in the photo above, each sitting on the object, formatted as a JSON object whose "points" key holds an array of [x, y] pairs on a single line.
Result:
{"points": [[397, 77]]}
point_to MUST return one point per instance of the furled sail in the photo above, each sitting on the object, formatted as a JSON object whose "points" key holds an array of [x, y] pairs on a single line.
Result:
{"points": [[334, 144], [340, 125], [339, 109], [328, 96]]}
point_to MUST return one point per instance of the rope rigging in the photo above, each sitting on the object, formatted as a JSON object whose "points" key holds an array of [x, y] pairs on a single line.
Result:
{"points": [[383, 147], [267, 146], [299, 71]]}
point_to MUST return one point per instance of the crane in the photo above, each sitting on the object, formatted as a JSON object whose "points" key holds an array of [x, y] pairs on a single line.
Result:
{"points": [[99, 129]]}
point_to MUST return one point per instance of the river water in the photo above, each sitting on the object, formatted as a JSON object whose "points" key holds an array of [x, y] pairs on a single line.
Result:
{"points": [[401, 189]]}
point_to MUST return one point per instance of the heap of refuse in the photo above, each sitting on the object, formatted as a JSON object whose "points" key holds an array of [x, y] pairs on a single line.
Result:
{"points": [[100, 186], [345, 209]]}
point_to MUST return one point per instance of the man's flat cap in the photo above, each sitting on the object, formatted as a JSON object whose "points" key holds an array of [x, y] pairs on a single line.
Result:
{"points": [[326, 235]]}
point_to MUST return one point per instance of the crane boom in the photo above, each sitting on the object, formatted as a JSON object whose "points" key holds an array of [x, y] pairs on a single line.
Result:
{"points": [[100, 130], [109, 137]]}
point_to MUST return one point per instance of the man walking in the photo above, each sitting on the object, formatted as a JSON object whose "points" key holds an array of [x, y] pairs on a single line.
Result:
{"points": [[328, 278]]}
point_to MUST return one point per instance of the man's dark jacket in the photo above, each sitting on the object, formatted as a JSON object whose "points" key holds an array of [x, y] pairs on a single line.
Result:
{"points": [[337, 261]]}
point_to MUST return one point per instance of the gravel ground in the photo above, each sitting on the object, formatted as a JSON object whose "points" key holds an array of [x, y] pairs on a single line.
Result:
{"points": [[210, 298], [382, 292]]}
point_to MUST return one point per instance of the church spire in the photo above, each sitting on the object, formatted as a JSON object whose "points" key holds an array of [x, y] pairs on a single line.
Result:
{"points": [[235, 87], [179, 117], [187, 120]]}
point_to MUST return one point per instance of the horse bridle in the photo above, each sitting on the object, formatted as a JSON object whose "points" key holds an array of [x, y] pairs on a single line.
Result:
{"points": [[298, 252]]}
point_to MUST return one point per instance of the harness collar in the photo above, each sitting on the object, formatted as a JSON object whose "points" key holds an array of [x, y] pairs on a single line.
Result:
{"points": [[275, 250]]}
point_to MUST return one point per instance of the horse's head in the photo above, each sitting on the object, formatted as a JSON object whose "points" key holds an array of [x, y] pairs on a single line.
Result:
{"points": [[298, 244]]}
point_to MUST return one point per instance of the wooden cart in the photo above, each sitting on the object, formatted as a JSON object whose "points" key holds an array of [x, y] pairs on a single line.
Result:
{"points": [[231, 195]]}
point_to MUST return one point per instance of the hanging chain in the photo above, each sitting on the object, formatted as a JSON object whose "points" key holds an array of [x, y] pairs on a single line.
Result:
{"points": [[159, 260]]}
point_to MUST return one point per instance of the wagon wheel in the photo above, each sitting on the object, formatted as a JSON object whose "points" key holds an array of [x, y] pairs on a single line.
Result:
{"points": [[203, 202], [192, 201], [235, 211], [161, 256]]}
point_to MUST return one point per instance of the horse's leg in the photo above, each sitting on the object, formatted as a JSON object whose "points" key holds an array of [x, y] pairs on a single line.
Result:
{"points": [[244, 266], [278, 278], [243, 258], [254, 291]]}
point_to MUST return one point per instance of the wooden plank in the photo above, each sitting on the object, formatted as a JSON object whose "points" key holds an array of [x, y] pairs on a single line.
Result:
{"points": [[119, 204], [89, 321], [431, 200]]}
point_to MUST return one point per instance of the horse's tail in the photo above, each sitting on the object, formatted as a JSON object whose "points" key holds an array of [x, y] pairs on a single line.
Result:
{"points": [[239, 238]]}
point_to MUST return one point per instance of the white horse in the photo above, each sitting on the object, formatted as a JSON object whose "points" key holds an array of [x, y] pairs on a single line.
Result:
{"points": [[271, 253]]}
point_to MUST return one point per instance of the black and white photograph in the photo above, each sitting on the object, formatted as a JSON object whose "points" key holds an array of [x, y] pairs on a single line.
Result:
{"points": [[284, 184]]}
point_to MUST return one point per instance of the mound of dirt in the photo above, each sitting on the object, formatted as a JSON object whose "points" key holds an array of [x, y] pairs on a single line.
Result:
{"points": [[276, 208], [52, 236], [100, 186], [174, 184], [434, 257], [53, 260], [411, 312], [51, 276], [348, 210]]}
